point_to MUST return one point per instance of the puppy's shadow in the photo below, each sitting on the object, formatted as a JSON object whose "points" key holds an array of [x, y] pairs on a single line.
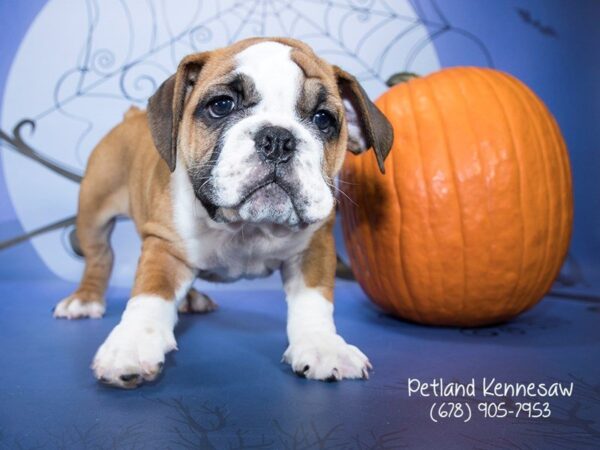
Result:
{"points": [[231, 319], [253, 334]]}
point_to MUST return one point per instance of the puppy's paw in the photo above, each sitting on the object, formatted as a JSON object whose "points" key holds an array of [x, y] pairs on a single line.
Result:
{"points": [[326, 356], [134, 352], [74, 308], [196, 302]]}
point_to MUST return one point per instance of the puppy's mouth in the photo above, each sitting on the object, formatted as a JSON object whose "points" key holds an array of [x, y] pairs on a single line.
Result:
{"points": [[269, 202]]}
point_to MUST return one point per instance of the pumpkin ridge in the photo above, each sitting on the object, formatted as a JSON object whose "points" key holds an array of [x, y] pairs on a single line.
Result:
{"points": [[397, 302], [436, 298], [533, 286], [356, 249], [369, 193], [368, 244], [483, 91], [452, 164], [459, 88], [432, 233], [550, 207], [567, 174], [563, 186], [567, 198], [483, 76], [410, 291], [566, 178]]}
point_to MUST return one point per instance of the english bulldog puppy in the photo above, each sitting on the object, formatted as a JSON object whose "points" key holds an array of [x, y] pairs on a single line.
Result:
{"points": [[228, 174]]}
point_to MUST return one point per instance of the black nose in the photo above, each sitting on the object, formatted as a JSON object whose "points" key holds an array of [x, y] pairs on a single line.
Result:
{"points": [[275, 144]]}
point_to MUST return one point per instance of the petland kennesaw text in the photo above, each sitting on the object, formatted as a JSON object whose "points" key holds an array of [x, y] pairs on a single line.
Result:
{"points": [[487, 387]]}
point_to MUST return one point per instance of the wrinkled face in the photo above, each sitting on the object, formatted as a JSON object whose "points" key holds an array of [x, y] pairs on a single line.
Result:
{"points": [[275, 136], [261, 127]]}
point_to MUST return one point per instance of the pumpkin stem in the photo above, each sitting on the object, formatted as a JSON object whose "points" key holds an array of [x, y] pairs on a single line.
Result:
{"points": [[400, 77]]}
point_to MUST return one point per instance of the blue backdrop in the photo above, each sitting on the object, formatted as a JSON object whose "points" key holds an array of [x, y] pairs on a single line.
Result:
{"points": [[73, 67]]}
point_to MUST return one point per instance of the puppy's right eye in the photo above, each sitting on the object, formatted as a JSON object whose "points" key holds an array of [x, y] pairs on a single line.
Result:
{"points": [[220, 107]]}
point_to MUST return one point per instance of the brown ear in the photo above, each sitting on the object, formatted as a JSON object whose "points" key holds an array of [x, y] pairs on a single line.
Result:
{"points": [[165, 107], [367, 126]]}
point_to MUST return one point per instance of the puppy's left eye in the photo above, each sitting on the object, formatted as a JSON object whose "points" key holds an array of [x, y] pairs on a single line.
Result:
{"points": [[323, 120], [221, 107]]}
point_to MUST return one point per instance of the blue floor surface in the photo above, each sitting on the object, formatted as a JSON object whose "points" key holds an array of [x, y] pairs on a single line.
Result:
{"points": [[226, 389]]}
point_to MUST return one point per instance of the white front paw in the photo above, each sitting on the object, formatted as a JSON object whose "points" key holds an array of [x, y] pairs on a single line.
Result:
{"points": [[326, 356], [134, 351]]}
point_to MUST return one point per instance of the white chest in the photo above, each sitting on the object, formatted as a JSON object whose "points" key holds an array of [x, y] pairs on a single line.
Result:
{"points": [[247, 253], [223, 254]]}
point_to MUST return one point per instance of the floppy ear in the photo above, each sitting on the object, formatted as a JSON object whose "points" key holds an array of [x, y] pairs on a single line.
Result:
{"points": [[367, 126], [165, 107]]}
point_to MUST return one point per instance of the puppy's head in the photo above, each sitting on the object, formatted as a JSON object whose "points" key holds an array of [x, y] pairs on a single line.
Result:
{"points": [[262, 127]]}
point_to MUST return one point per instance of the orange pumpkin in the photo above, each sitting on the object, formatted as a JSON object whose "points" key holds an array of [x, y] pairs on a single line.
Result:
{"points": [[472, 220]]}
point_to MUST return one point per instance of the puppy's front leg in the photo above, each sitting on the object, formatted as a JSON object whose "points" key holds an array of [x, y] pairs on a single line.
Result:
{"points": [[315, 349], [135, 349]]}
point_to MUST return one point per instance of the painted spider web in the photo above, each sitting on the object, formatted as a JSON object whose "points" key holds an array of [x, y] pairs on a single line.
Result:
{"points": [[369, 38]]}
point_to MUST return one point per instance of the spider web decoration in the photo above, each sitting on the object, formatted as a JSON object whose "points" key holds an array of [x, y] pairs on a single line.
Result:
{"points": [[106, 56]]}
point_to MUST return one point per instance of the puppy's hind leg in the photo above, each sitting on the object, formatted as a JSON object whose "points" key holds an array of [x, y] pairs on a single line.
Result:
{"points": [[95, 222], [88, 299]]}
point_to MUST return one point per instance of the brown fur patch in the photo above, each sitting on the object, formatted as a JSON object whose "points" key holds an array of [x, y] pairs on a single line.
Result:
{"points": [[320, 75], [319, 260], [161, 269]]}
